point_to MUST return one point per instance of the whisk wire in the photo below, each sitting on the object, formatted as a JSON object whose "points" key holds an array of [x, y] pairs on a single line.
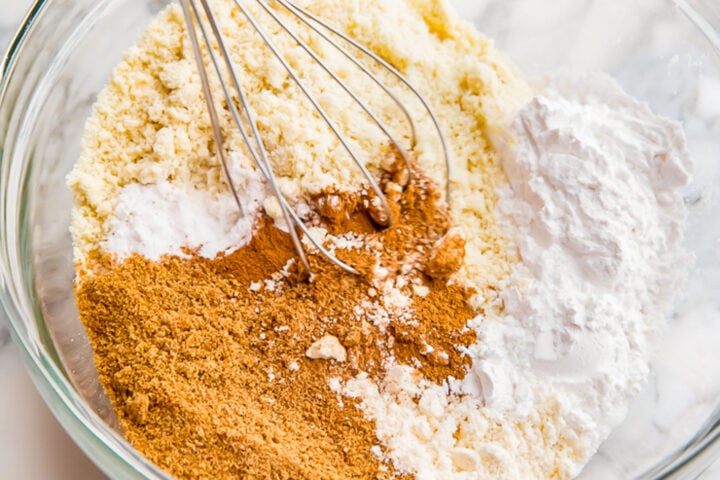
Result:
{"points": [[381, 125], [259, 155], [304, 17], [287, 209], [379, 60], [318, 108], [207, 94], [259, 158], [258, 151]]}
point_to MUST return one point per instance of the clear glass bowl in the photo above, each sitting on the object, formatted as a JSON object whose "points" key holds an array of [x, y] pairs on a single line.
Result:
{"points": [[663, 51]]}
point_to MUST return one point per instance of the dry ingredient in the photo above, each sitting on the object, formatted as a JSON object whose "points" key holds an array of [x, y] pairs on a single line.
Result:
{"points": [[500, 339], [210, 224], [595, 210], [218, 367], [150, 125], [595, 193]]}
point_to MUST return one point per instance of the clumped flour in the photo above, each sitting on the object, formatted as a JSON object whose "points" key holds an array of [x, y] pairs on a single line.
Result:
{"points": [[502, 338]]}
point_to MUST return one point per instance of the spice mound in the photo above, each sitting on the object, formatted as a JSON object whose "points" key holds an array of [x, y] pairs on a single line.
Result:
{"points": [[221, 366], [498, 332]]}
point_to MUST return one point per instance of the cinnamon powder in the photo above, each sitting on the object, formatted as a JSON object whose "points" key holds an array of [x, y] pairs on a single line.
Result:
{"points": [[204, 360]]}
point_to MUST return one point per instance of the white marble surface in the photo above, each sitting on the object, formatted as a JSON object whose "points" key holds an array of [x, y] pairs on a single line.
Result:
{"points": [[34, 446]]}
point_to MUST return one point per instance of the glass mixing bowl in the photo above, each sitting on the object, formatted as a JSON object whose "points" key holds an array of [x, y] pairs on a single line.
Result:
{"points": [[663, 51]]}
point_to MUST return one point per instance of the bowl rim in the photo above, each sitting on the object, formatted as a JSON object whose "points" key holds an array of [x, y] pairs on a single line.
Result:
{"points": [[103, 446], [108, 450]]}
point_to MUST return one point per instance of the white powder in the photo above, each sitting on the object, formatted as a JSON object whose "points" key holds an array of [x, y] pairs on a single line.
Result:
{"points": [[163, 218], [594, 210], [599, 221]]}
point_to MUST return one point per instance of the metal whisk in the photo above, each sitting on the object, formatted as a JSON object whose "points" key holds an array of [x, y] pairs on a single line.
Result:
{"points": [[203, 19]]}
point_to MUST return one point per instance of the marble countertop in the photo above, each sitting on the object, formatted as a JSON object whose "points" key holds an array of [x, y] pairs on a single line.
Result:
{"points": [[32, 443]]}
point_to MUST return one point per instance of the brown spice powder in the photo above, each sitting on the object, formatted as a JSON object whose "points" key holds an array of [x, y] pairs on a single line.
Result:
{"points": [[208, 372]]}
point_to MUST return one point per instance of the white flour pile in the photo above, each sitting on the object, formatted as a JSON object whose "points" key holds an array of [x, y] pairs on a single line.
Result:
{"points": [[166, 219]]}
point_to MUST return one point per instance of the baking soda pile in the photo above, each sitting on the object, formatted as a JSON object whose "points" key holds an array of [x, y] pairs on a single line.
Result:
{"points": [[565, 230]]}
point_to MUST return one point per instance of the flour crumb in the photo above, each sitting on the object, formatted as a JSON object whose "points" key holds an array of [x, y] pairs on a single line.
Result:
{"points": [[420, 290], [327, 348]]}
